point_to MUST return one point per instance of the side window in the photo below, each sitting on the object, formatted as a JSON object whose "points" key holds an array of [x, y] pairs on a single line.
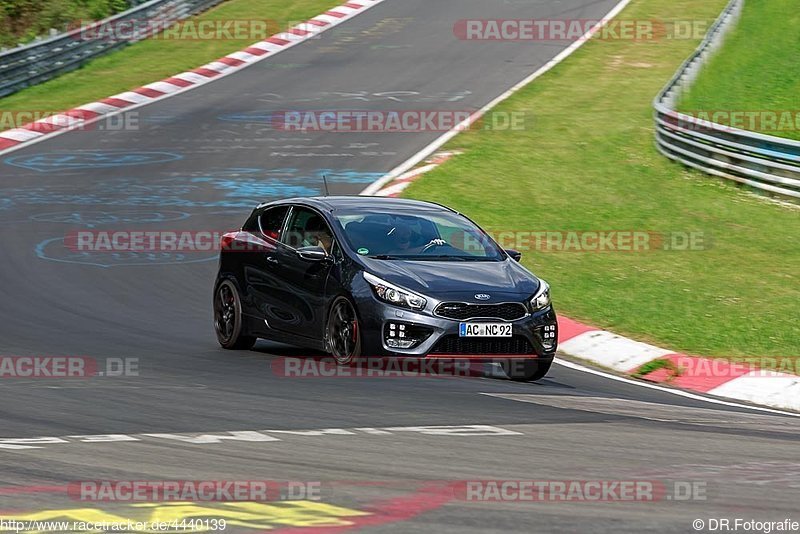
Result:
{"points": [[308, 229], [251, 224], [271, 222]]}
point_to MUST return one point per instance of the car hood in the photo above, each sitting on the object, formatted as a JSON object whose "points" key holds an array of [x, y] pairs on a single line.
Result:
{"points": [[458, 280]]}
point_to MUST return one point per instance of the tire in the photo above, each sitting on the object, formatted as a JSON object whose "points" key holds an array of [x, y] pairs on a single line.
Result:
{"points": [[526, 370], [228, 324], [343, 333]]}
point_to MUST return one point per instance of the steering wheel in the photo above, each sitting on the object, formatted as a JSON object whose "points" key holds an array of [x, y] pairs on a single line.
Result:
{"points": [[434, 245]]}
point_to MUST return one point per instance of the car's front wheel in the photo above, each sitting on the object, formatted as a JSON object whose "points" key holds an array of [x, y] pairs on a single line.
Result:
{"points": [[343, 335], [228, 323], [526, 370]]}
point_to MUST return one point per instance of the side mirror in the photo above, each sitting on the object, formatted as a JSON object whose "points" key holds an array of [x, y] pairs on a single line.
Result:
{"points": [[312, 253], [516, 255]]}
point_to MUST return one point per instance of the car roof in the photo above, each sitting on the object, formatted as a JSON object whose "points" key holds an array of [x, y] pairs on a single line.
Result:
{"points": [[334, 203]]}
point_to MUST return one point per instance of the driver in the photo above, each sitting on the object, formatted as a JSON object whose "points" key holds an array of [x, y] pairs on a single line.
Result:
{"points": [[317, 234], [400, 236]]}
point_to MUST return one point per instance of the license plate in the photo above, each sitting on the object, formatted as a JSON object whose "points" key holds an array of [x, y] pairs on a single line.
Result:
{"points": [[485, 330]]}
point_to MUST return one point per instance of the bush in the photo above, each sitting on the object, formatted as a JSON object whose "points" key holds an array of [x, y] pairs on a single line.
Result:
{"points": [[23, 20]]}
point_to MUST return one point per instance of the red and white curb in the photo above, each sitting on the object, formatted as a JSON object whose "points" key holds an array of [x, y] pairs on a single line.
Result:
{"points": [[398, 184], [83, 115], [712, 376]]}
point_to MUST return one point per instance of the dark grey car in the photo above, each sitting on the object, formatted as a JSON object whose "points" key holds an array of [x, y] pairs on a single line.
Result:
{"points": [[362, 277]]}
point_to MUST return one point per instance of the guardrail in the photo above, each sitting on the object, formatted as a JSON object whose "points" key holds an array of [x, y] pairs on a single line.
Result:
{"points": [[35, 63], [764, 162]]}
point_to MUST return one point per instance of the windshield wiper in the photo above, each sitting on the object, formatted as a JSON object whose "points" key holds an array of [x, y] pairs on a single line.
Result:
{"points": [[442, 257], [429, 257]]}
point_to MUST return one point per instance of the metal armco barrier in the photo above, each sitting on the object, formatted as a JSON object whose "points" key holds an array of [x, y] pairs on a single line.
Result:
{"points": [[35, 63], [764, 162]]}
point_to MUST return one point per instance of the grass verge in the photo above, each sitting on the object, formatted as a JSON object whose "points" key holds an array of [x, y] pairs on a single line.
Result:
{"points": [[655, 365], [757, 68], [153, 59], [588, 163]]}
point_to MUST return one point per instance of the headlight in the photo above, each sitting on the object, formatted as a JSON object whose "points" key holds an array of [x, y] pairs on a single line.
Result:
{"points": [[395, 295], [541, 299]]}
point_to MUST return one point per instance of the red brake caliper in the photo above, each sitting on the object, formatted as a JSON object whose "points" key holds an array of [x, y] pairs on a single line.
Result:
{"points": [[355, 331]]}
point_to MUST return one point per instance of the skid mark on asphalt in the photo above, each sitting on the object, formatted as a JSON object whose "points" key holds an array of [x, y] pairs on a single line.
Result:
{"points": [[661, 412], [784, 474]]}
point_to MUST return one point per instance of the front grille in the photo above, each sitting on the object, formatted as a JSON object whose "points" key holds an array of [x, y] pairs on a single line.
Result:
{"points": [[466, 345], [461, 311]]}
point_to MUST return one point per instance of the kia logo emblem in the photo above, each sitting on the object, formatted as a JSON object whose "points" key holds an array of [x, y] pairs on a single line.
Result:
{"points": [[482, 296]]}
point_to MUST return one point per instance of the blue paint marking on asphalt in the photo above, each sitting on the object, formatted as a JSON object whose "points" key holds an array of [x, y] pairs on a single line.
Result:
{"points": [[96, 218], [53, 249], [159, 119], [350, 176], [254, 188], [252, 117], [228, 188], [65, 161]]}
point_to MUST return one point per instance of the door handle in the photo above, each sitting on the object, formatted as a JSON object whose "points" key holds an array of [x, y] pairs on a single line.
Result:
{"points": [[272, 260]]}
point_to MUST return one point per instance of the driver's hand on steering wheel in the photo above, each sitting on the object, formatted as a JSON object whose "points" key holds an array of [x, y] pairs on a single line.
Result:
{"points": [[434, 243]]}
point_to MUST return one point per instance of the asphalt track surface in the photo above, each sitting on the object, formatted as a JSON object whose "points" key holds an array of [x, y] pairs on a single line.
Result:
{"points": [[215, 159]]}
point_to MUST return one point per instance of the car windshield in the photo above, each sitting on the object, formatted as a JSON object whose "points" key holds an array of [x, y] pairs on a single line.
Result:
{"points": [[431, 236]]}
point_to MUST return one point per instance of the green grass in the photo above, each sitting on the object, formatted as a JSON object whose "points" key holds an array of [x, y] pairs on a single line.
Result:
{"points": [[757, 68], [655, 365], [155, 59], [588, 162]]}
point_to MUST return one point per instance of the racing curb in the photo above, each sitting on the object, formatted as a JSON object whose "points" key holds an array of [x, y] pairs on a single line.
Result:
{"points": [[83, 115], [709, 376]]}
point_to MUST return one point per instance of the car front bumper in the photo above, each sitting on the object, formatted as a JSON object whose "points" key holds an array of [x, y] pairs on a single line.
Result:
{"points": [[533, 336]]}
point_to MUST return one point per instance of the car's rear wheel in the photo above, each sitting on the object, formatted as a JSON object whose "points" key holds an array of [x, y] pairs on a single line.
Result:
{"points": [[526, 370], [343, 334], [228, 323]]}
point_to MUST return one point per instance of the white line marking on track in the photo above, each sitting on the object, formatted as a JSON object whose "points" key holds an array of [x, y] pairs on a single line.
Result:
{"points": [[661, 412], [258, 436], [678, 392]]}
